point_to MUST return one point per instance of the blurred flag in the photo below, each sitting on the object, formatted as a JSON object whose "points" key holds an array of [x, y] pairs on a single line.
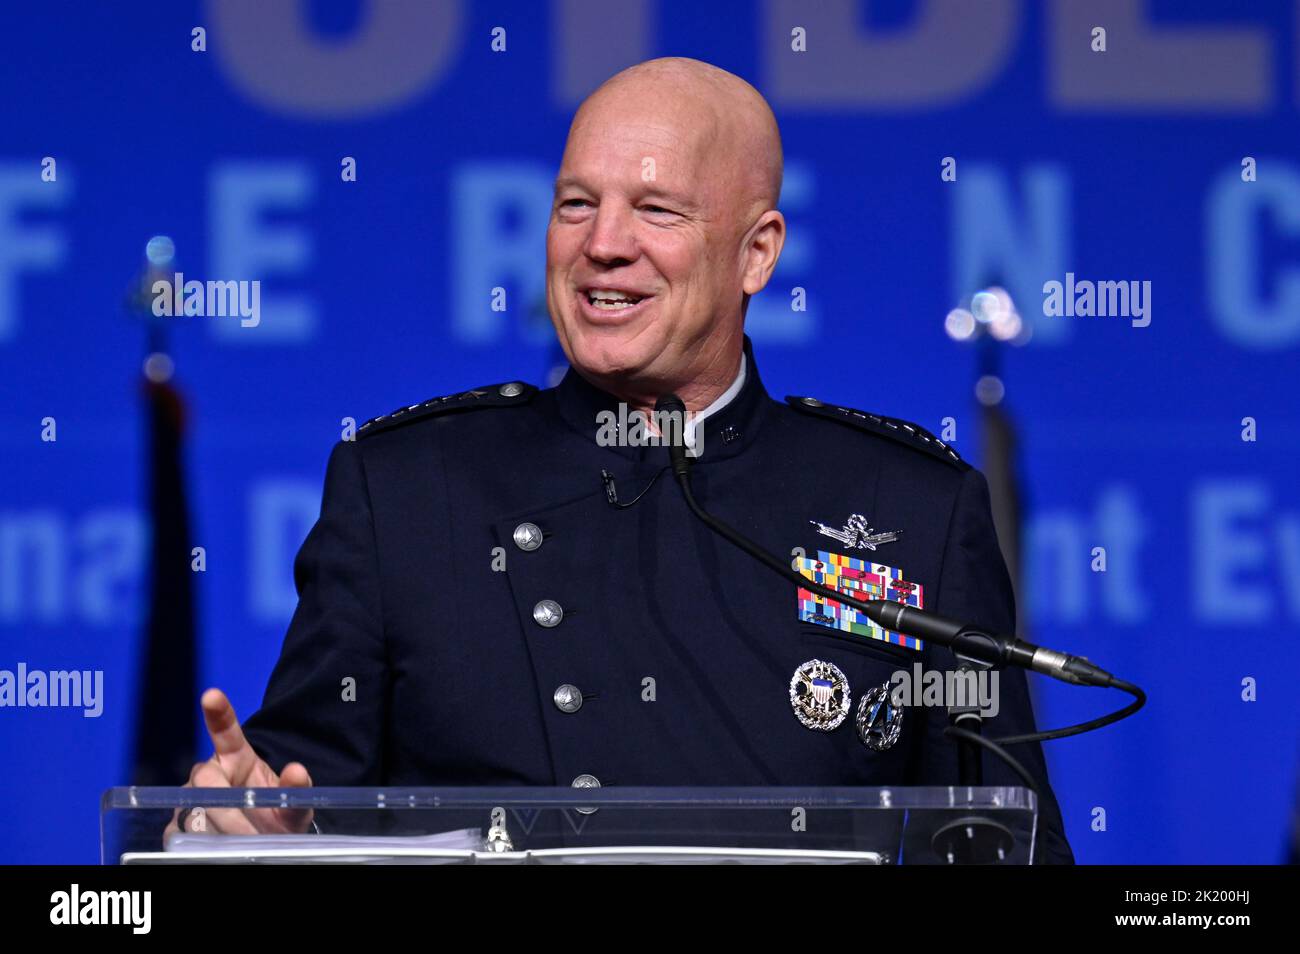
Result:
{"points": [[998, 440], [167, 721]]}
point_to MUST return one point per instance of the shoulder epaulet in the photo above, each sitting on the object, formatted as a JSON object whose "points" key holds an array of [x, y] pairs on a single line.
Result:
{"points": [[492, 395], [905, 432]]}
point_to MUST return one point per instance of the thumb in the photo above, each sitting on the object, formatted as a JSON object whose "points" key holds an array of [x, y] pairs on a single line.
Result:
{"points": [[294, 775]]}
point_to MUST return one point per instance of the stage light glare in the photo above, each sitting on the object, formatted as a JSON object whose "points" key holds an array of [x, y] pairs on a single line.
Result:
{"points": [[959, 324]]}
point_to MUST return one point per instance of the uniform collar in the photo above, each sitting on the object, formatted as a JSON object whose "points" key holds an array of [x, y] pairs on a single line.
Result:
{"points": [[727, 425], [698, 420]]}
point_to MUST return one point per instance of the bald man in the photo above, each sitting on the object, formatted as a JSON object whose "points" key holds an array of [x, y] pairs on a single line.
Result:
{"points": [[501, 589]]}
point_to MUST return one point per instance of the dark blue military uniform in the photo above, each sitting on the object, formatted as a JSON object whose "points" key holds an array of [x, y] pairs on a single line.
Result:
{"points": [[536, 675]]}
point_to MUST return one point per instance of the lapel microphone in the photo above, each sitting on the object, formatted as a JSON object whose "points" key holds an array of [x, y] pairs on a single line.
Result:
{"points": [[670, 419]]}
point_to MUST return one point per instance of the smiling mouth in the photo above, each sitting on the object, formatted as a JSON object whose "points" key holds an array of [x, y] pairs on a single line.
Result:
{"points": [[611, 301]]}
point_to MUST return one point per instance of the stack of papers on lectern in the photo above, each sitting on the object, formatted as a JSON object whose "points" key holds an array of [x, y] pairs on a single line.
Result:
{"points": [[464, 840]]}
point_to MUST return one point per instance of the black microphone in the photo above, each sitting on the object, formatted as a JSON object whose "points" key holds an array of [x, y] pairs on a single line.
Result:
{"points": [[962, 638], [670, 418]]}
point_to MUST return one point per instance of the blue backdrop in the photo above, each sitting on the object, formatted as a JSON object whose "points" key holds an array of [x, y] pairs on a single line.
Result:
{"points": [[1124, 164]]}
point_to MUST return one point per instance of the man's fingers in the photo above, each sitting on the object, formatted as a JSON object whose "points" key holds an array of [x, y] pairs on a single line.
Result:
{"points": [[215, 773], [229, 821], [234, 753], [235, 764], [294, 775]]}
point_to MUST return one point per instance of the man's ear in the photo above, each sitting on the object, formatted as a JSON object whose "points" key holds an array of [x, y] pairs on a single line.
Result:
{"points": [[762, 249]]}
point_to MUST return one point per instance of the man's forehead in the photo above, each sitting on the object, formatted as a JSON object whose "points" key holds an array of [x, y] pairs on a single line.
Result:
{"points": [[634, 136], [622, 149]]}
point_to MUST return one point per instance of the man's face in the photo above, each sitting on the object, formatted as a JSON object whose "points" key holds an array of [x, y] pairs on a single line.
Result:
{"points": [[643, 249]]}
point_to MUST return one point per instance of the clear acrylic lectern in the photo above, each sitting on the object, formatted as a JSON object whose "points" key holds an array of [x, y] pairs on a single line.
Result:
{"points": [[898, 825]]}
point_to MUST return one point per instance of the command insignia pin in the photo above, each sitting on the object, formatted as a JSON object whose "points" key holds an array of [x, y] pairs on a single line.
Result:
{"points": [[880, 720], [857, 533], [819, 695]]}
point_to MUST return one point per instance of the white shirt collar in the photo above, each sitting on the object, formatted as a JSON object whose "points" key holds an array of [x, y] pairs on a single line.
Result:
{"points": [[696, 421]]}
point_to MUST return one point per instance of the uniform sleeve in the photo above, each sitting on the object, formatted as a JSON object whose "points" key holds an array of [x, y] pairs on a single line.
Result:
{"points": [[975, 587], [326, 699]]}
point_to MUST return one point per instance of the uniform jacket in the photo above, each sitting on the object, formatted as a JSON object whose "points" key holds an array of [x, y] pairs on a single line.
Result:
{"points": [[418, 583]]}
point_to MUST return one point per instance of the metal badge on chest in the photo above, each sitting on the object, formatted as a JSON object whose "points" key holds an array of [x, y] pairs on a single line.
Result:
{"points": [[819, 691]]}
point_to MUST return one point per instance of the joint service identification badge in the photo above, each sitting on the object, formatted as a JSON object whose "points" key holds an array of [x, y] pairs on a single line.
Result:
{"points": [[819, 694]]}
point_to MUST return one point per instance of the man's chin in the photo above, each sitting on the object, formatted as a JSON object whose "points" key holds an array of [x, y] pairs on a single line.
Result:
{"points": [[611, 361]]}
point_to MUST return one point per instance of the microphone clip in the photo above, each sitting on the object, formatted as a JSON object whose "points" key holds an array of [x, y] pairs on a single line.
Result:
{"points": [[611, 492]]}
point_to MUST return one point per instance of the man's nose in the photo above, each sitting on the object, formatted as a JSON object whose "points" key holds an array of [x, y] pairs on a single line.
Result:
{"points": [[611, 238]]}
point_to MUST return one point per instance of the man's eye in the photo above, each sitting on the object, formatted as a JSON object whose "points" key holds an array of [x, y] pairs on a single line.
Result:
{"points": [[569, 203], [657, 208]]}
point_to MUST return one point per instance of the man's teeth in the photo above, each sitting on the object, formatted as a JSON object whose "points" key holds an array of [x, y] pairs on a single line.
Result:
{"points": [[611, 300]]}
